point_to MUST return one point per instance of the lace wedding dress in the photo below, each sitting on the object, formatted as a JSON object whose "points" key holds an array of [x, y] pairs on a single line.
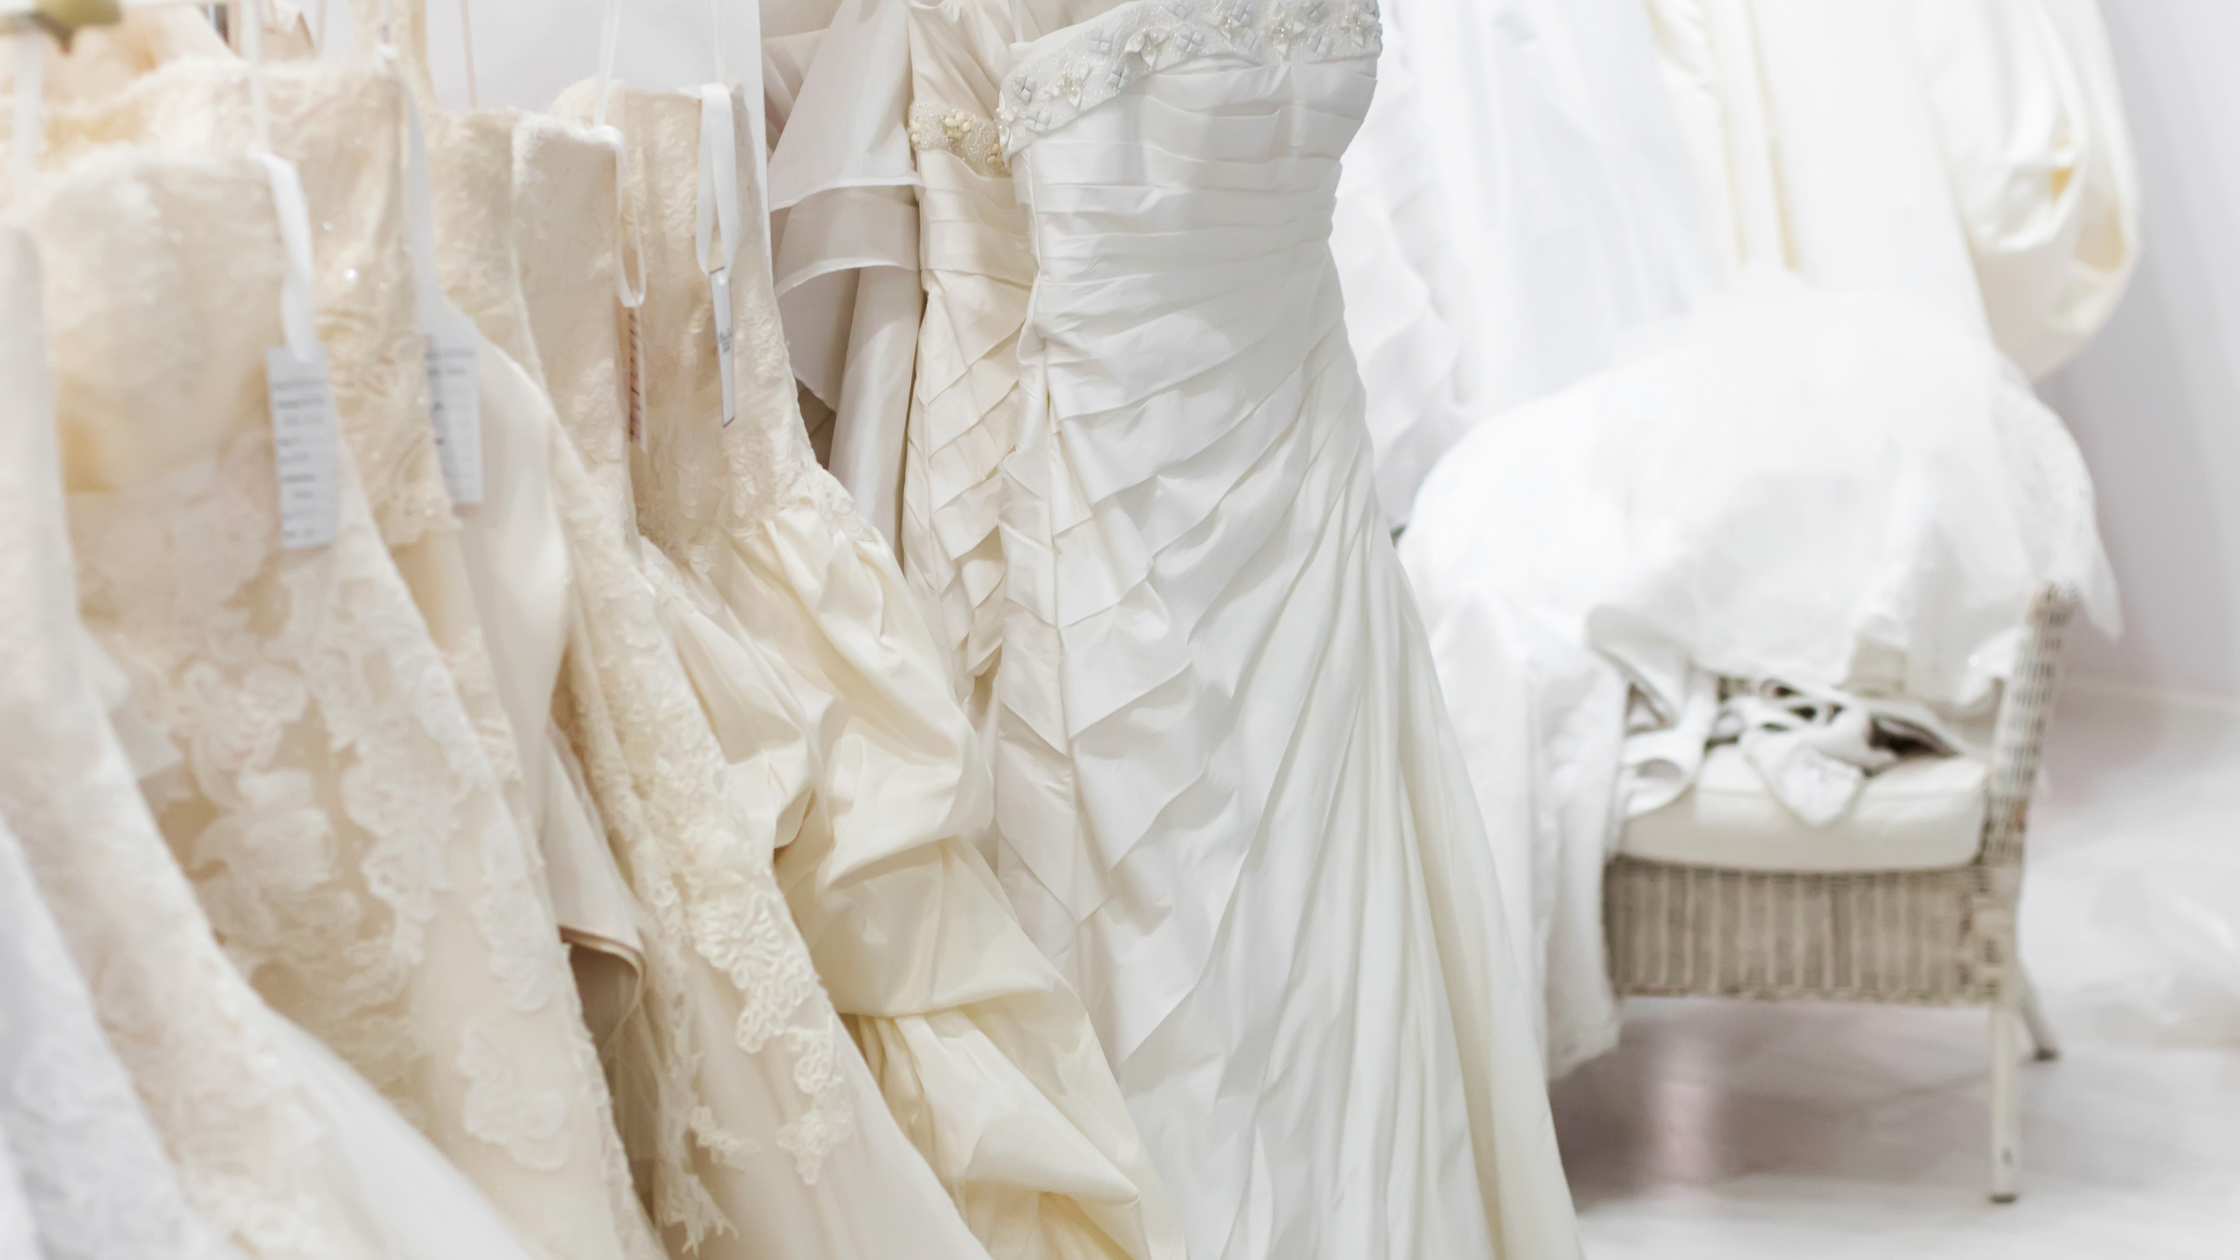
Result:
{"points": [[753, 1119], [1276, 895], [352, 812], [829, 701], [84, 1167], [515, 551], [275, 1143]]}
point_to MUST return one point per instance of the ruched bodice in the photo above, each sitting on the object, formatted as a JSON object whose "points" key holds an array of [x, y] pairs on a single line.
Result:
{"points": [[976, 267], [1229, 801]]}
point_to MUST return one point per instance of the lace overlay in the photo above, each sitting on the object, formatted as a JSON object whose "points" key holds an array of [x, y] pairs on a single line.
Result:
{"points": [[970, 136], [700, 487], [339, 808], [701, 872], [1089, 64], [180, 1019], [708, 884]]}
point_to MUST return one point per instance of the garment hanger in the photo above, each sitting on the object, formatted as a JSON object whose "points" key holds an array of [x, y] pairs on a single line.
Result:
{"points": [[60, 19]]}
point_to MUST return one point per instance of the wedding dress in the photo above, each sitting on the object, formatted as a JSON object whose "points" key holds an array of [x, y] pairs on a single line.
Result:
{"points": [[2003, 116], [829, 701], [844, 235], [275, 1143], [1258, 858], [17, 1230], [1825, 476], [83, 1162], [965, 403], [97, 1178], [181, 1020], [1516, 209], [756, 1122], [351, 818], [460, 211]]}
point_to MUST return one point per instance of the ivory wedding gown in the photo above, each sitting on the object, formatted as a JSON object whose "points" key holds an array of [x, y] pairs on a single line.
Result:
{"points": [[353, 812], [759, 1128], [275, 1142], [1253, 845], [829, 702], [965, 402]]}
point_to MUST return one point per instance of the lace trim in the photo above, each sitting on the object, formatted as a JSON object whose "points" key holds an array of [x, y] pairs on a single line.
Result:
{"points": [[1099, 59], [972, 137]]}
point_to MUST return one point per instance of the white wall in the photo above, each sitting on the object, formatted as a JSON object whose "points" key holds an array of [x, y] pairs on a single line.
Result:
{"points": [[2155, 400]]}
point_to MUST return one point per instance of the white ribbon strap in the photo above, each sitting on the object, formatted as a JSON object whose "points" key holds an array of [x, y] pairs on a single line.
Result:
{"points": [[719, 181], [631, 291], [716, 224], [430, 305], [295, 238]]}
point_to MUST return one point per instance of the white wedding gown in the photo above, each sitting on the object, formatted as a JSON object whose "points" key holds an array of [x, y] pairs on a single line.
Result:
{"points": [[93, 1170], [1235, 813], [1825, 474], [1516, 208]]}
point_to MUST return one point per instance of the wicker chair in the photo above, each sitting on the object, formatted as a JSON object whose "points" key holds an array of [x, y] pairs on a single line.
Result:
{"points": [[1939, 937]]}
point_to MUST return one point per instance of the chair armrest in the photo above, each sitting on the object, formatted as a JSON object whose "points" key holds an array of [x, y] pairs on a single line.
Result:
{"points": [[2025, 709]]}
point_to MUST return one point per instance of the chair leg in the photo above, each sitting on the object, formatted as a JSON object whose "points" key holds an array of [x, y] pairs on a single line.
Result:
{"points": [[2034, 1018], [2006, 1105]]}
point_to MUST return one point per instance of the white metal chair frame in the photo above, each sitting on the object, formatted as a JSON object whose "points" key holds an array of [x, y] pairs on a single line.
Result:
{"points": [[1942, 937]]}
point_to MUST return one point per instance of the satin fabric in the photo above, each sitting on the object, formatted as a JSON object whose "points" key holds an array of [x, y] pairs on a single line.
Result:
{"points": [[1230, 804], [845, 234], [965, 403]]}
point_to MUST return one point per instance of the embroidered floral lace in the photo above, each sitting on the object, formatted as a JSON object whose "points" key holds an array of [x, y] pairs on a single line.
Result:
{"points": [[1089, 64]]}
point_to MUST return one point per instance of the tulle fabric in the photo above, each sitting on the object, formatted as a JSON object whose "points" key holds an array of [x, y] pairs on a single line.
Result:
{"points": [[1230, 807]]}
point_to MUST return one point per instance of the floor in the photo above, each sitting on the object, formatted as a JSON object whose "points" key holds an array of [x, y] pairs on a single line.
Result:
{"points": [[1738, 1130]]}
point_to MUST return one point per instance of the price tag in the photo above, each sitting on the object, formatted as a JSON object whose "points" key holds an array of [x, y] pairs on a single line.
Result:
{"points": [[719, 290], [455, 404], [304, 449]]}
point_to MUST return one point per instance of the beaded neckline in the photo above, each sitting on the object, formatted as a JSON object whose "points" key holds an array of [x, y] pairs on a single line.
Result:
{"points": [[1097, 60]]}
